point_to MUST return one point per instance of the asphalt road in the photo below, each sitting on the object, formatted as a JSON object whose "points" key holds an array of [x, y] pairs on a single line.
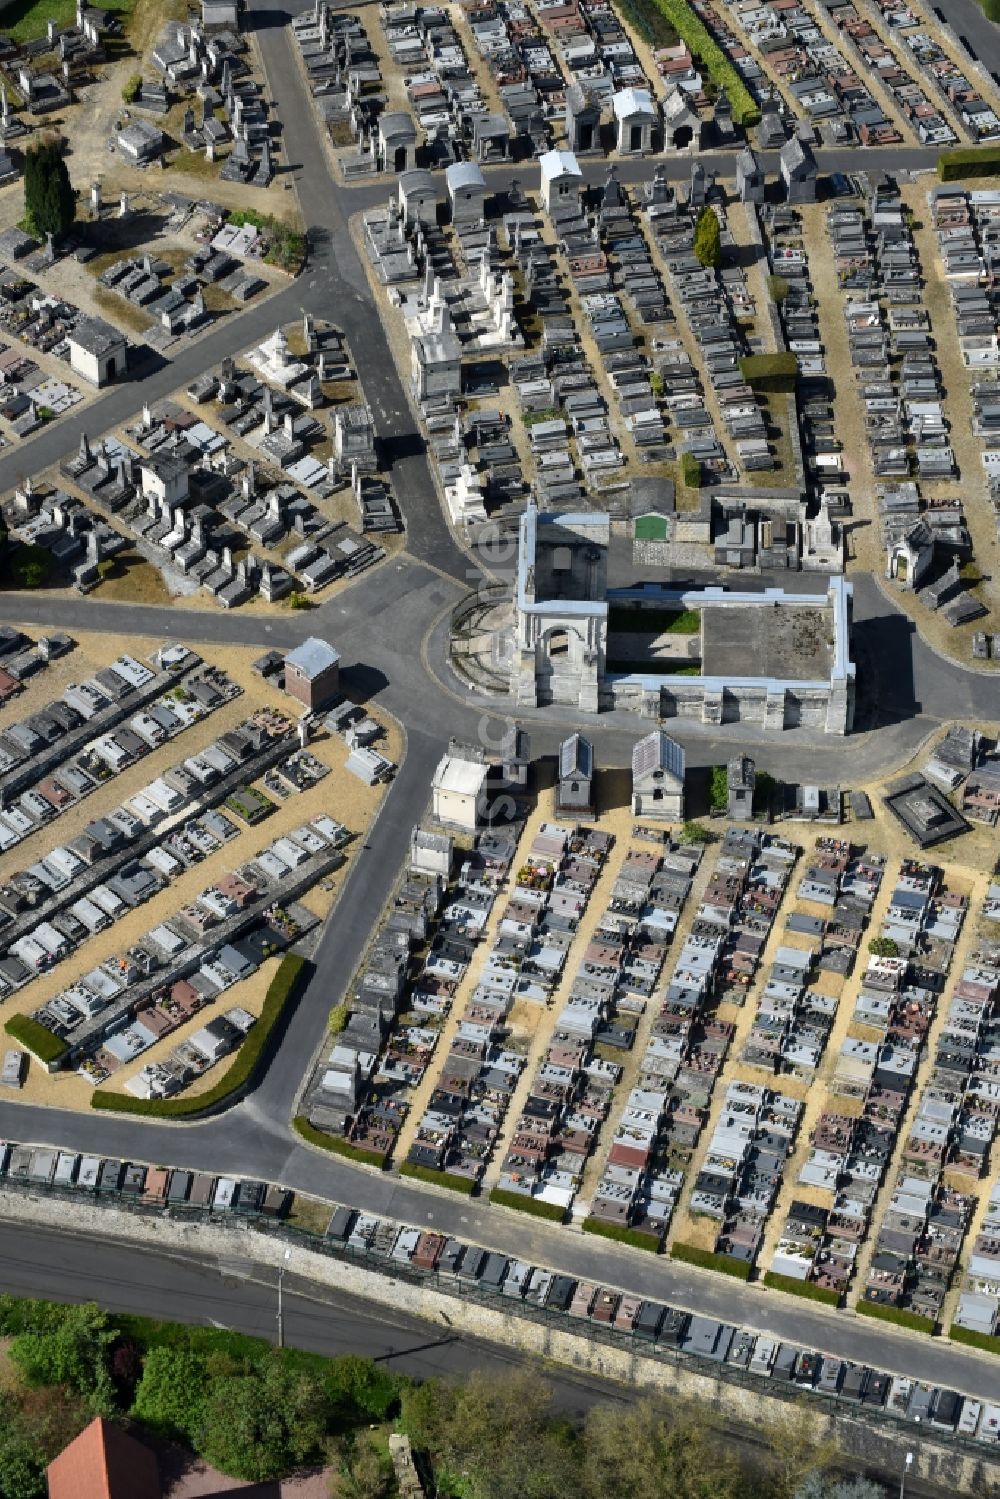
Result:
{"points": [[379, 626], [966, 19], [235, 1293]]}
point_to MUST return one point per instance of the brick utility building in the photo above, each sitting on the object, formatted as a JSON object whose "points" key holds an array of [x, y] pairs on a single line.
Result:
{"points": [[312, 673]]}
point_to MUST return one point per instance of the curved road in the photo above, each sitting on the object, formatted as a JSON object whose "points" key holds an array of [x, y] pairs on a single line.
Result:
{"points": [[378, 626]]}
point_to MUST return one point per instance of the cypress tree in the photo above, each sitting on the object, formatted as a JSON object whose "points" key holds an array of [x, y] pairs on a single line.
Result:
{"points": [[49, 200]]}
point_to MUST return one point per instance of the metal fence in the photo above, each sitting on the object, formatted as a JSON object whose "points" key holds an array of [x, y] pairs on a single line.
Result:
{"points": [[876, 1417]]}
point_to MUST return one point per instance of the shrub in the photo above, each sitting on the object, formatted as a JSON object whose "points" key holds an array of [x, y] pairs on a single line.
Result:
{"points": [[718, 793], [623, 1235], [693, 832], [282, 988], [450, 1179], [770, 372], [169, 1395], [897, 1314], [690, 1254], [32, 566], [76, 1352], [132, 89], [805, 1288], [690, 471], [777, 289], [42, 1043], [969, 161], [287, 245], [337, 1144], [533, 1205], [883, 947], [339, 1016]]}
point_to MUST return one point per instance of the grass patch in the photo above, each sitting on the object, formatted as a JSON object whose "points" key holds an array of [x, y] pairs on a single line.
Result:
{"points": [[897, 1315], [285, 984], [622, 1235], [533, 1205], [449, 1179], [973, 1339], [804, 1288], [196, 163], [36, 1038], [706, 1259], [337, 1145], [644, 621], [665, 668], [25, 20], [651, 528]]}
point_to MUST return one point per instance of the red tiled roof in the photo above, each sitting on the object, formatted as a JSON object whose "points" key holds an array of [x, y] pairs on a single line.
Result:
{"points": [[104, 1462]]}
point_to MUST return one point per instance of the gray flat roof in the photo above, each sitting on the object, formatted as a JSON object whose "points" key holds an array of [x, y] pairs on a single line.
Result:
{"points": [[790, 643]]}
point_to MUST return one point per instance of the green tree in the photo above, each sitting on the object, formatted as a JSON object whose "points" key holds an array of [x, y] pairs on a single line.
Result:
{"points": [[635, 1452], [718, 794], [498, 1438], [170, 1394], [708, 238], [883, 947], [49, 199], [694, 832], [76, 1353], [263, 1423]]}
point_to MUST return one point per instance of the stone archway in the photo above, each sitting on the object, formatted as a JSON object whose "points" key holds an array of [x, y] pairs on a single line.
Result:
{"points": [[558, 666]]}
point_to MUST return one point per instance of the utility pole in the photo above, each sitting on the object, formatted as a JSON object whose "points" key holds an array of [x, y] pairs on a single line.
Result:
{"points": [[907, 1465], [281, 1305]]}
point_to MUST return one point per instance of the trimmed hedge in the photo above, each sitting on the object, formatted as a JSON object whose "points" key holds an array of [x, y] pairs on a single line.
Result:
{"points": [[770, 372], [449, 1179], [532, 1205], [708, 1260], [337, 1145], [692, 29], [974, 1339], [283, 986], [969, 161], [896, 1314], [804, 1288], [622, 1235], [40, 1041]]}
